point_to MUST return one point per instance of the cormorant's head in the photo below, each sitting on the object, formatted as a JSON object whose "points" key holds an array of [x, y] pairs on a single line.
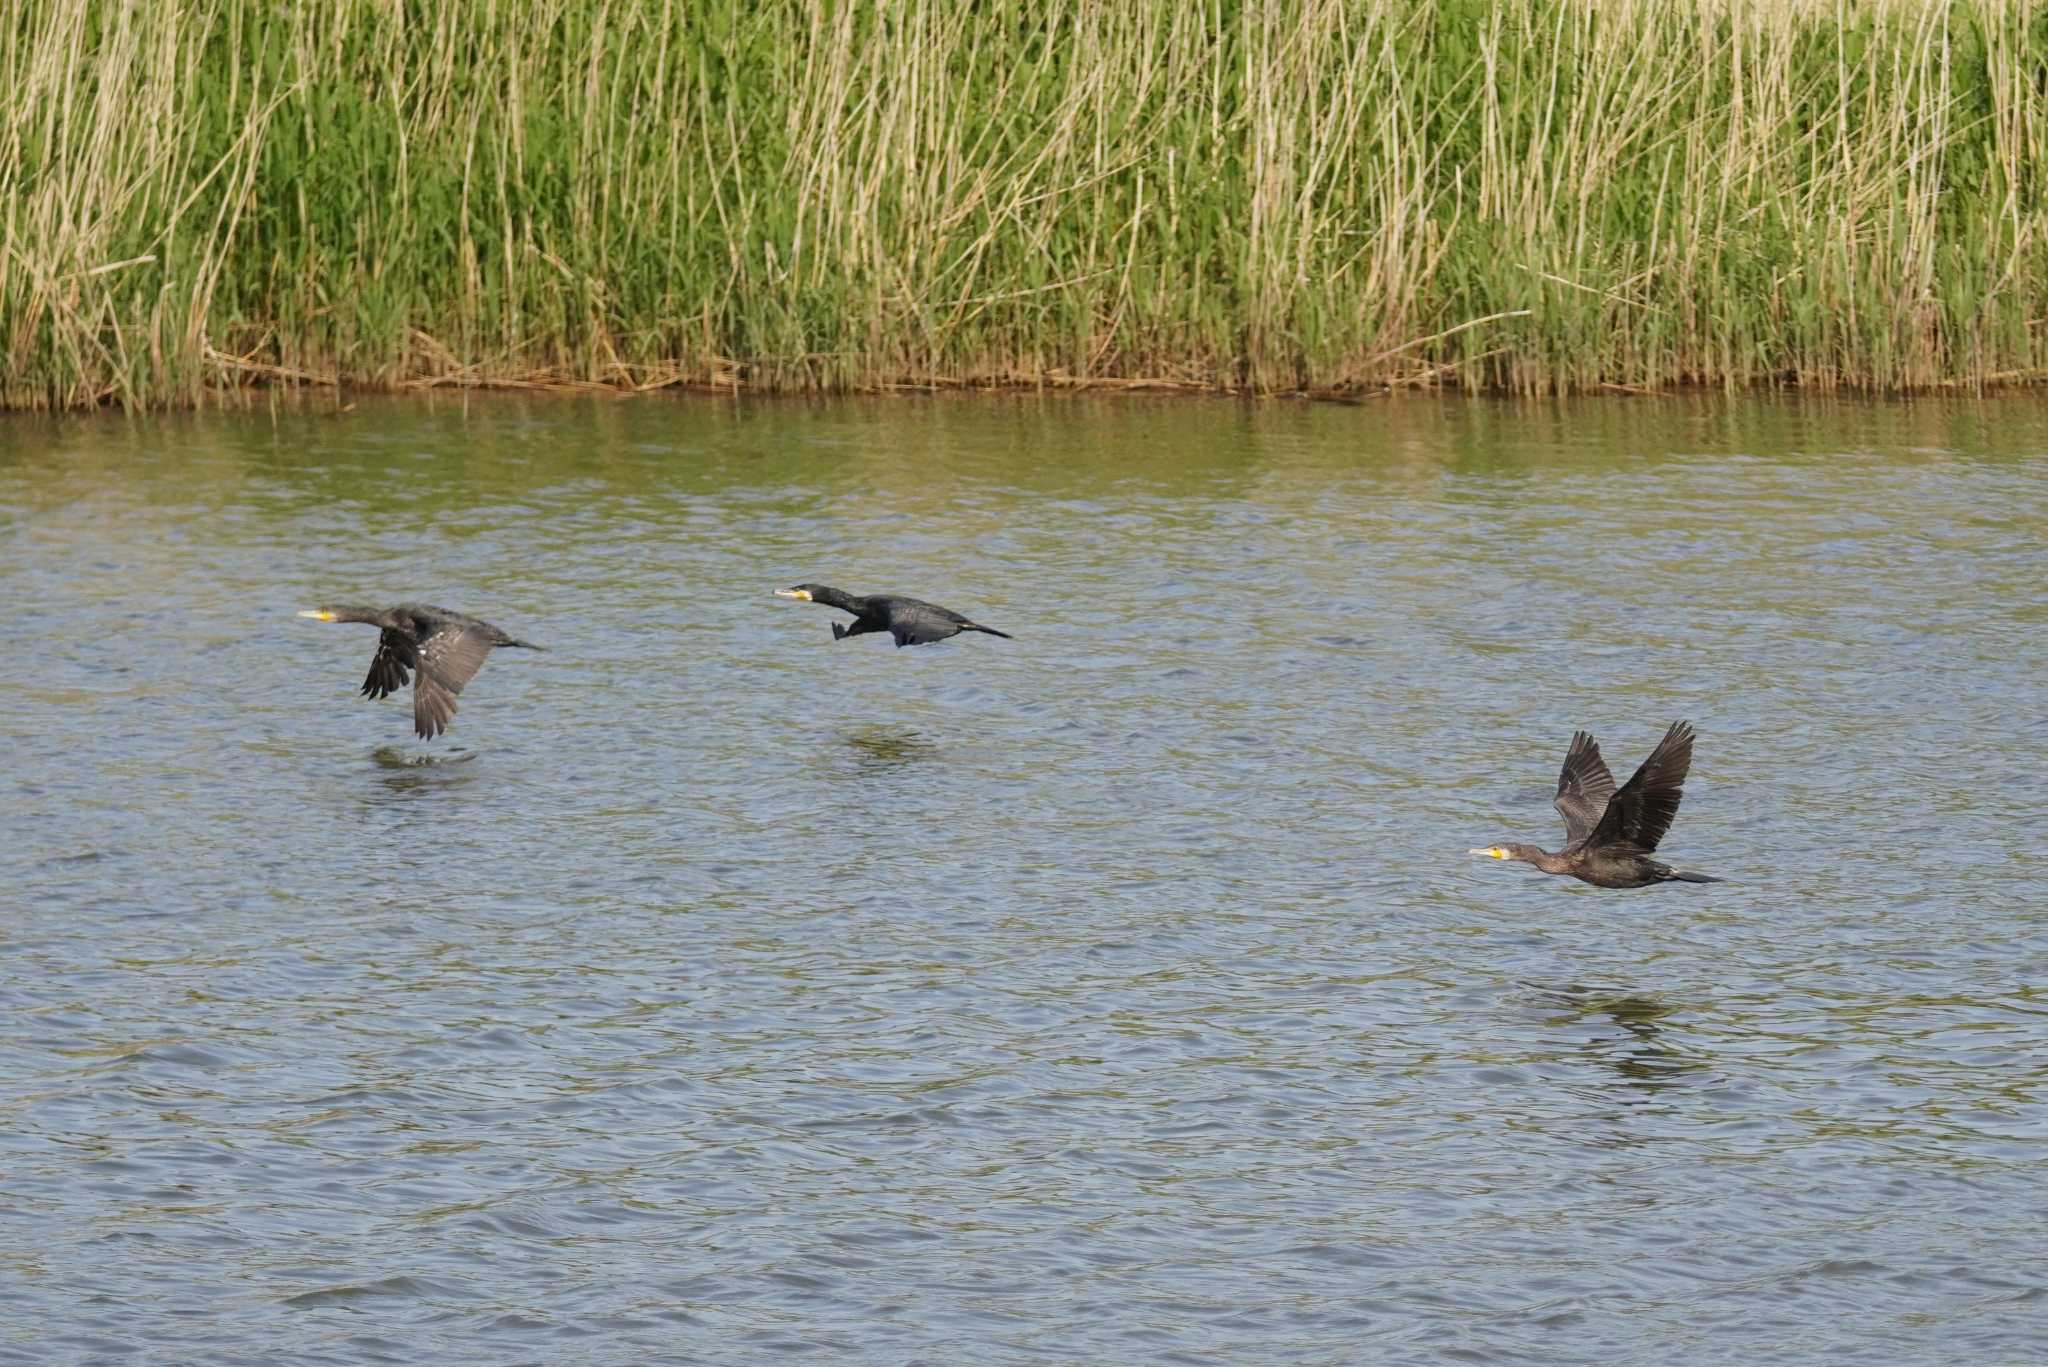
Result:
{"points": [[344, 612], [803, 593], [1522, 852]]}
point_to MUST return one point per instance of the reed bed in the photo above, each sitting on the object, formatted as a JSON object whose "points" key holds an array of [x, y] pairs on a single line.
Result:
{"points": [[1323, 195]]}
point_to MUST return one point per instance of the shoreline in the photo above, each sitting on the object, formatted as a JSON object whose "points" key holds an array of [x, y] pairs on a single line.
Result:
{"points": [[330, 400], [268, 382]]}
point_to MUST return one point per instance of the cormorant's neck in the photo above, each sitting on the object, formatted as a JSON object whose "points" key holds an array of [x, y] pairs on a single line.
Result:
{"points": [[376, 617], [839, 598], [1543, 859]]}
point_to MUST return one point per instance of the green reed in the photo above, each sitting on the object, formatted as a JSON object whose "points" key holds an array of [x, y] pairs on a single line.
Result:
{"points": [[1532, 195]]}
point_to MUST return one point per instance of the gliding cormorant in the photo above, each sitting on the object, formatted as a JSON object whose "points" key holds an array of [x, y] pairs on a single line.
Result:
{"points": [[911, 621]]}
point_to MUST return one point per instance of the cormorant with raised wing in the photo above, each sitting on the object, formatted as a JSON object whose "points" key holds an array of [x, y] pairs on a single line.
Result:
{"points": [[1609, 835]]}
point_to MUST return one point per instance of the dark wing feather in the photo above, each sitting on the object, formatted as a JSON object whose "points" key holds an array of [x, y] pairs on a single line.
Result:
{"points": [[1583, 787], [433, 707], [1643, 810], [448, 659], [913, 623], [921, 633], [390, 668]]}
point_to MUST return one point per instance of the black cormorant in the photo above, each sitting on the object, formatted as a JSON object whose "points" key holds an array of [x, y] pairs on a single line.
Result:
{"points": [[446, 648], [911, 621], [1609, 835]]}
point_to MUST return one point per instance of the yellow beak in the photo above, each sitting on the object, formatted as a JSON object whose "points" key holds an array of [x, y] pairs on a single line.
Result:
{"points": [[801, 595], [1495, 852], [318, 615]]}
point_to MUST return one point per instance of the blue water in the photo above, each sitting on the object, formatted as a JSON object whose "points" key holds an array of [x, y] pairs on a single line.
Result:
{"points": [[715, 992]]}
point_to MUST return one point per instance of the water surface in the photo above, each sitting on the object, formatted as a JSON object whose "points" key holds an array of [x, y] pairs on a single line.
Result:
{"points": [[1122, 992]]}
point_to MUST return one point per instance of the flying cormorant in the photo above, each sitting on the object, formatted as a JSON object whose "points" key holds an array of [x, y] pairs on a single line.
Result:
{"points": [[446, 648], [1609, 835], [911, 621]]}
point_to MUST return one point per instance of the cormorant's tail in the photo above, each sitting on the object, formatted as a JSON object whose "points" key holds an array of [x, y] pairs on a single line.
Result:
{"points": [[1682, 876], [523, 645], [976, 626]]}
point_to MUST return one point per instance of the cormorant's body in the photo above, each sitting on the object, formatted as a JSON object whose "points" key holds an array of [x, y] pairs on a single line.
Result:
{"points": [[445, 648], [911, 621], [1609, 835]]}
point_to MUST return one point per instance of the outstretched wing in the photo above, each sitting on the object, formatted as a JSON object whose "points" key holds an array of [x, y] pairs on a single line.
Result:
{"points": [[1642, 811], [448, 659], [1583, 788], [390, 668]]}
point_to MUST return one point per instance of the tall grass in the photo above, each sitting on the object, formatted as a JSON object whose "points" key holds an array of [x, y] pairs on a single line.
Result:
{"points": [[1536, 195]]}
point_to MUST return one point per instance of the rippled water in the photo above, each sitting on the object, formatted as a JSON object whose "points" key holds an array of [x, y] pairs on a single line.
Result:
{"points": [[1120, 992]]}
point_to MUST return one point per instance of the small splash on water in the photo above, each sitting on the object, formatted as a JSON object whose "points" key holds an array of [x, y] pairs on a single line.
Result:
{"points": [[885, 747], [391, 757]]}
